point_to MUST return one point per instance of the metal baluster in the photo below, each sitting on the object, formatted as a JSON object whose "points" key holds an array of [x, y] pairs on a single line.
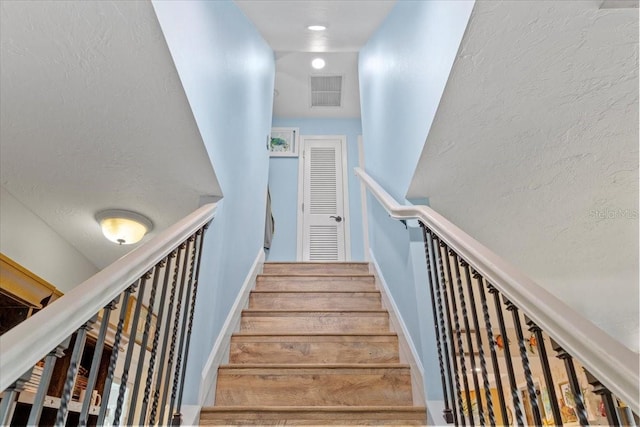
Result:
{"points": [[106, 390], [185, 315], [43, 387], [443, 327], [463, 366], [609, 404], [130, 348], [76, 356], [200, 235], [174, 337], [455, 390], [573, 382], [145, 338], [8, 403], [483, 363], [465, 319], [432, 279], [507, 356], [492, 350], [95, 363], [163, 353], [531, 388], [156, 338], [546, 371]]}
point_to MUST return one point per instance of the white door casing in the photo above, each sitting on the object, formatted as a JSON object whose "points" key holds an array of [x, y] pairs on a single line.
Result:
{"points": [[323, 214]]}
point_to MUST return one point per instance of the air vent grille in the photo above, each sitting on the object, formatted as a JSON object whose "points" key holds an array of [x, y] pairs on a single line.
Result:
{"points": [[326, 91]]}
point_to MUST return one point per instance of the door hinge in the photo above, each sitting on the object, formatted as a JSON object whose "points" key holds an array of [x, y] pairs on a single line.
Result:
{"points": [[303, 207]]}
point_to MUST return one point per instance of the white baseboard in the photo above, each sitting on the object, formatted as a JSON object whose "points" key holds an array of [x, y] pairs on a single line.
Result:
{"points": [[220, 351], [408, 352]]}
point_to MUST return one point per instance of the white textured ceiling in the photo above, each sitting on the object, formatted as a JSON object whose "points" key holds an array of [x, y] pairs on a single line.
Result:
{"points": [[283, 24], [535, 138], [93, 116]]}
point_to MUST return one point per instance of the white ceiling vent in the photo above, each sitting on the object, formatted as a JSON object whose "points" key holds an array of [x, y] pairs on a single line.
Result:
{"points": [[326, 91]]}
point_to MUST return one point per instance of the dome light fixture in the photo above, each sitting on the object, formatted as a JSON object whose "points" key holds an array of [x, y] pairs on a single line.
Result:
{"points": [[316, 27], [318, 63], [122, 226]]}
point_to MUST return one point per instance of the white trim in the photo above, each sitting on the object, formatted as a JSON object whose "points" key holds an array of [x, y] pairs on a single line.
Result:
{"points": [[32, 339], [345, 194], [404, 338], [220, 351], [363, 202], [613, 364]]}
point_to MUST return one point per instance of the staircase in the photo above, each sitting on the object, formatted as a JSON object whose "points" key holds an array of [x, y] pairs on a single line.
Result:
{"points": [[314, 347]]}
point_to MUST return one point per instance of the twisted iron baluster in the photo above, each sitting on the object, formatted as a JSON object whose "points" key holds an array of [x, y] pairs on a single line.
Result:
{"points": [[163, 353], [463, 366], [106, 391], [200, 235], [507, 355], [607, 399], [465, 318], [492, 350], [546, 370], [130, 348], [573, 382], [178, 371], [156, 338], [95, 363], [531, 388], [432, 279], [174, 338], [8, 403], [145, 338], [76, 356]]}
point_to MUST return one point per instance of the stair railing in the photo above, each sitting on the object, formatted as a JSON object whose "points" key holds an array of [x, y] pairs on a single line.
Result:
{"points": [[472, 291], [142, 306]]}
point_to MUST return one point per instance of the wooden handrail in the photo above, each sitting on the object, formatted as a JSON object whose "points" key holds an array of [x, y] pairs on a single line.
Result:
{"points": [[615, 365], [31, 340]]}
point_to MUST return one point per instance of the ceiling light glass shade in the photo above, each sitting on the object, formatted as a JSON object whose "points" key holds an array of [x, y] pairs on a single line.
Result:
{"points": [[316, 27], [123, 227], [318, 63]]}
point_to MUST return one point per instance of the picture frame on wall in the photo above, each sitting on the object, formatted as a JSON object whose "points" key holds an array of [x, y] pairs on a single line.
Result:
{"points": [[284, 142]]}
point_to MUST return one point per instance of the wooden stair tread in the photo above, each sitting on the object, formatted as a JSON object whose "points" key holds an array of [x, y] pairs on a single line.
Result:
{"points": [[310, 366], [312, 291], [319, 275], [407, 409], [314, 334], [260, 311]]}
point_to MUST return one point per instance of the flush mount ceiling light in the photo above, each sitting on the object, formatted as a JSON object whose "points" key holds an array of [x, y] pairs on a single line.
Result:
{"points": [[123, 227], [316, 27], [318, 63]]}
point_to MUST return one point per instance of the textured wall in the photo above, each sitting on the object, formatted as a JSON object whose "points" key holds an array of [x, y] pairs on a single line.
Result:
{"points": [[534, 150], [283, 182], [227, 71], [30, 242]]}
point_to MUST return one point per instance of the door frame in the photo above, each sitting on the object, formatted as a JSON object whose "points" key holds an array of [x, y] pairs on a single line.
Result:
{"points": [[345, 193]]}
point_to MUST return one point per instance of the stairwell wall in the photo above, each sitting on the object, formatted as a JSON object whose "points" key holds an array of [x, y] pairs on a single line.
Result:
{"points": [[403, 70], [228, 73]]}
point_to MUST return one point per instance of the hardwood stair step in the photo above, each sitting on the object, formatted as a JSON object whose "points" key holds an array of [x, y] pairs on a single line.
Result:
{"points": [[314, 348], [315, 282], [316, 267], [329, 321], [314, 415], [308, 385], [295, 300]]}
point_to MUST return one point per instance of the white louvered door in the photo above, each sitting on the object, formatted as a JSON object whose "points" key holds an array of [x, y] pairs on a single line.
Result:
{"points": [[323, 201]]}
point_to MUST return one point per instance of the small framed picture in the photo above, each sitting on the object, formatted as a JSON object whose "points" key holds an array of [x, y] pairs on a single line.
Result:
{"points": [[284, 142]]}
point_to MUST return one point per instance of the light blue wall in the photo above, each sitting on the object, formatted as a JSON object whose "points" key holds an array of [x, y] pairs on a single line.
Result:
{"points": [[403, 71], [283, 182], [228, 73]]}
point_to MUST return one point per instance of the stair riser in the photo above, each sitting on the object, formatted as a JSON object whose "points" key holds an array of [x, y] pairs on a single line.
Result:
{"points": [[315, 323], [313, 283], [323, 386], [314, 352], [315, 301], [315, 268]]}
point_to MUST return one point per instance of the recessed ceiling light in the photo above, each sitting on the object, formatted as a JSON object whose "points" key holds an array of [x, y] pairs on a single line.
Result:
{"points": [[316, 27], [318, 63]]}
